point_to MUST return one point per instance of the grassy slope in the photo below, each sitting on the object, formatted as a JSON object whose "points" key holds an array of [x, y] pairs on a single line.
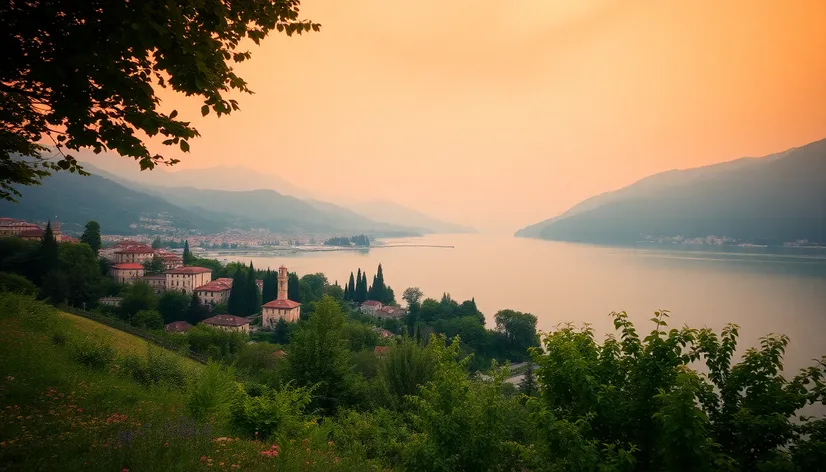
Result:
{"points": [[57, 414]]}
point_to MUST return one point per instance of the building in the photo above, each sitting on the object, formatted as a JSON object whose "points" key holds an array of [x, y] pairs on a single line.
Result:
{"points": [[387, 312], [383, 333], [215, 292], [228, 323], [110, 301], [187, 279], [281, 307], [170, 260], [157, 282], [127, 273], [370, 307], [12, 227], [138, 254], [177, 327]]}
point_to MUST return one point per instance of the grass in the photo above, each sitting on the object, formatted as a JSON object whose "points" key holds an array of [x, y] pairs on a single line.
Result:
{"points": [[57, 413]]}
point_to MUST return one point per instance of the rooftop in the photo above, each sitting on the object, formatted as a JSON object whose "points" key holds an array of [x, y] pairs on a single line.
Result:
{"points": [[178, 327], [217, 285], [226, 320], [136, 250], [282, 304], [128, 266], [371, 303], [189, 270]]}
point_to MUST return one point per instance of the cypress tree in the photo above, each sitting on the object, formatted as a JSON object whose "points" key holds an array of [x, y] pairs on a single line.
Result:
{"points": [[293, 287], [351, 286], [237, 303], [270, 289], [91, 236], [187, 253], [346, 292], [362, 293], [252, 292], [47, 253]]}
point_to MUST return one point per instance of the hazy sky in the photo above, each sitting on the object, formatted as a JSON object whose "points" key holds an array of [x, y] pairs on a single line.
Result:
{"points": [[500, 113]]}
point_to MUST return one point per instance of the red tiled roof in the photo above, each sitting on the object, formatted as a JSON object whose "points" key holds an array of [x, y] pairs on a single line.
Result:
{"points": [[282, 304], [31, 233], [371, 303], [128, 266], [226, 320], [178, 327], [189, 270], [170, 256], [68, 239], [381, 349], [217, 285]]}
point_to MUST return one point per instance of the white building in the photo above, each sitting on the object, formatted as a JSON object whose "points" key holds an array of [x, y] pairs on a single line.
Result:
{"points": [[127, 273], [281, 307], [215, 292]]}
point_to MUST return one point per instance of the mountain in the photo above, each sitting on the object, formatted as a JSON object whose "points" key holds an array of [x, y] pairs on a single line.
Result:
{"points": [[773, 199], [277, 212], [73, 200], [383, 210]]}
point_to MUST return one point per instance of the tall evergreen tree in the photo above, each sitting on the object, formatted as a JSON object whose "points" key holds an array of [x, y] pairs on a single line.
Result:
{"points": [[351, 285], [188, 257], [197, 311], [237, 302], [270, 290], [378, 291], [47, 253], [253, 304], [362, 293], [293, 287], [347, 292], [157, 243], [91, 236]]}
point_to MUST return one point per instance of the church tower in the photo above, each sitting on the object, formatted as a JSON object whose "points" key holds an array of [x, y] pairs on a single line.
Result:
{"points": [[282, 283]]}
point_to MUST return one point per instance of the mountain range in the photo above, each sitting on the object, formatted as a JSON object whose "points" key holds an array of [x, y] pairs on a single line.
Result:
{"points": [[770, 200]]}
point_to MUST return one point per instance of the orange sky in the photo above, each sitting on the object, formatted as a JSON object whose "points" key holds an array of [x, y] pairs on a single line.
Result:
{"points": [[500, 113]]}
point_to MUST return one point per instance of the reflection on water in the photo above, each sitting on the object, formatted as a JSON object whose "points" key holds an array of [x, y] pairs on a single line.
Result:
{"points": [[763, 291]]}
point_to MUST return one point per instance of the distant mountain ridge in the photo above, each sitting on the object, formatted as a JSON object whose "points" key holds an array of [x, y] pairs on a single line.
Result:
{"points": [[776, 198], [393, 213]]}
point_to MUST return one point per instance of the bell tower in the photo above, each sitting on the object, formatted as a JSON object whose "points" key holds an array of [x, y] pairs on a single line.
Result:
{"points": [[282, 283]]}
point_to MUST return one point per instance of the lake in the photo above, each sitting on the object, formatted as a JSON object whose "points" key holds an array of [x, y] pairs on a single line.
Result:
{"points": [[562, 282]]}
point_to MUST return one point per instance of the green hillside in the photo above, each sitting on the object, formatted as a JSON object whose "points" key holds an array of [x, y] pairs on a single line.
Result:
{"points": [[771, 200]]}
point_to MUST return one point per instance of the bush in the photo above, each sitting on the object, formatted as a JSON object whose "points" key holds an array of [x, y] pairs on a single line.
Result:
{"points": [[159, 367], [93, 353], [147, 319], [59, 338], [216, 343], [275, 412], [17, 284], [212, 392]]}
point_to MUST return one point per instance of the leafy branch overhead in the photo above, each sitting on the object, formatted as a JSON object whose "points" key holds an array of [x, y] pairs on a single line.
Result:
{"points": [[84, 74]]}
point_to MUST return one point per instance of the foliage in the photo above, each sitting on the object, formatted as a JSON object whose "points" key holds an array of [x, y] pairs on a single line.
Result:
{"points": [[293, 287], [91, 235], [173, 306], [17, 284], [359, 336], [216, 343], [212, 393], [196, 311], [147, 319], [275, 412], [157, 367], [412, 295], [270, 290], [402, 371], [379, 291], [79, 264], [111, 101], [93, 352], [154, 265], [138, 296], [318, 357]]}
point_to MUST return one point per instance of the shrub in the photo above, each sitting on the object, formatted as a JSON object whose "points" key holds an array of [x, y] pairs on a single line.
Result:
{"points": [[147, 319], [59, 338], [17, 284], [159, 367], [275, 412], [93, 352], [216, 343], [212, 392]]}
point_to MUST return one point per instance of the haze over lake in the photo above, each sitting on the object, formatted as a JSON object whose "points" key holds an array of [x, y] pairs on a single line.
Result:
{"points": [[561, 282]]}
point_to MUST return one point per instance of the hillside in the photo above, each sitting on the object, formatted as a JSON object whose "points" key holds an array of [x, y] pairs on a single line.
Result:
{"points": [[383, 210], [773, 199], [74, 200]]}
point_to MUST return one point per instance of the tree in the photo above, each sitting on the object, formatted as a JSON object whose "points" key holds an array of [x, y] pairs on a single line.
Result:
{"points": [[237, 302], [197, 311], [357, 293], [378, 291], [253, 299], [147, 319], [91, 236], [173, 306], [47, 254], [157, 243], [270, 290], [79, 264], [293, 287], [139, 296], [518, 328], [318, 357], [362, 290], [17, 284], [154, 265], [188, 258], [116, 57], [412, 295], [528, 384], [351, 287]]}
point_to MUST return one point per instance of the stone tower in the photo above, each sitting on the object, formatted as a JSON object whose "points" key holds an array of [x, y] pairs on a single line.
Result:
{"points": [[282, 283]]}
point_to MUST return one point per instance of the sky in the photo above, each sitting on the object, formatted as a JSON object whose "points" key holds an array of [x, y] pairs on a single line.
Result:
{"points": [[501, 113]]}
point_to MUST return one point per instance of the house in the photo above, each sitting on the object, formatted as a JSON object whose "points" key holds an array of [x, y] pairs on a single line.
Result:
{"points": [[383, 333], [387, 312], [177, 327], [228, 323], [187, 279], [110, 301], [13, 227], [127, 273], [139, 254], [282, 307], [370, 307], [170, 260], [157, 282], [215, 292]]}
